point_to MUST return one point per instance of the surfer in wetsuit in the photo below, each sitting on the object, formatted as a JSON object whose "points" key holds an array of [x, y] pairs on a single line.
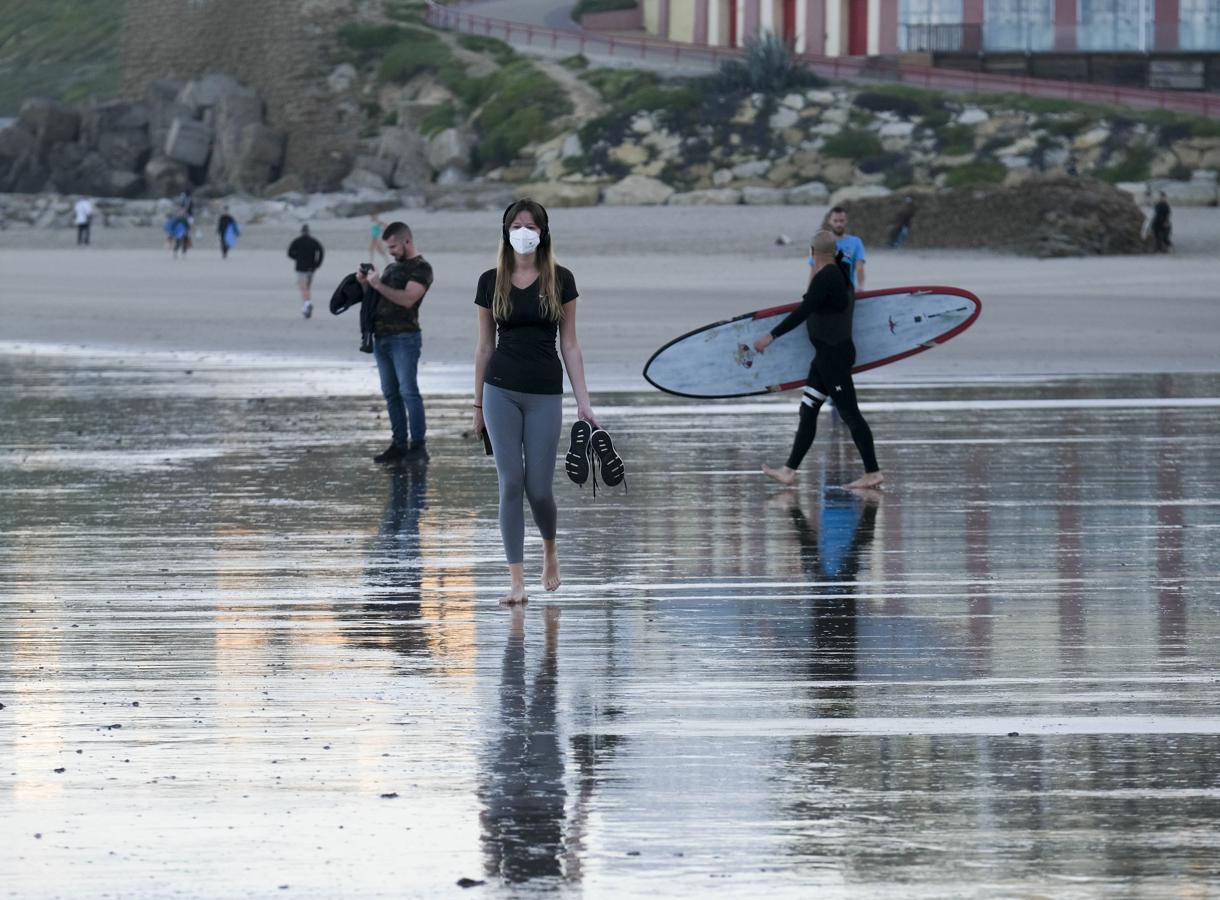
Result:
{"points": [[826, 309]]}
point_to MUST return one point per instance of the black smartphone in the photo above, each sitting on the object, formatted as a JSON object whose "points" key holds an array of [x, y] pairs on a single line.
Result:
{"points": [[365, 268], [486, 442]]}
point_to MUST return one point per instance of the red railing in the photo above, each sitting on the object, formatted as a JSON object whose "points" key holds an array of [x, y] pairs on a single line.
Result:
{"points": [[846, 68]]}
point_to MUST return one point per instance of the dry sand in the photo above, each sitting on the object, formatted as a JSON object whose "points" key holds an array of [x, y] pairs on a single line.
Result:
{"points": [[646, 275]]}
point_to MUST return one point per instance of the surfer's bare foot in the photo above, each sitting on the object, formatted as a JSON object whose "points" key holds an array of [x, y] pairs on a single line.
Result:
{"points": [[866, 481], [784, 475], [550, 566]]}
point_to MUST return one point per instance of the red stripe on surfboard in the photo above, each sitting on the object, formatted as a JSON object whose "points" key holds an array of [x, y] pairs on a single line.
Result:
{"points": [[863, 295], [887, 292]]}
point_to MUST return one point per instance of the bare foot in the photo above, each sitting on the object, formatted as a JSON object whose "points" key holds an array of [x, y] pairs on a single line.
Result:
{"points": [[784, 475], [550, 567], [865, 481], [516, 595]]}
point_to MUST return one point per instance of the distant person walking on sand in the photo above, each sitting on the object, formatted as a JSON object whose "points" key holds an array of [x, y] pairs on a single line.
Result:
{"points": [[826, 309], [398, 341], [186, 201], [1162, 229], [518, 381], [851, 246], [900, 230], [376, 226], [226, 228], [84, 220], [306, 252], [178, 232]]}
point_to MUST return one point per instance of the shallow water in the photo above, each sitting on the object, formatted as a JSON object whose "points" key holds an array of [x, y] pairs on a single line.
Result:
{"points": [[236, 637]]}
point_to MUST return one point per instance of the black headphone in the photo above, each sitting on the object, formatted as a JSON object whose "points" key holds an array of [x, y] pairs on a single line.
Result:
{"points": [[544, 236]]}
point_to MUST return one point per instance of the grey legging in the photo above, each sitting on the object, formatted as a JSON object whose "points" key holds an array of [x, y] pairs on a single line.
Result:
{"points": [[524, 431]]}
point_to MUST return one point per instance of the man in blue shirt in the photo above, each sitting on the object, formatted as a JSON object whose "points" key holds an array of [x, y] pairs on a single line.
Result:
{"points": [[850, 245]]}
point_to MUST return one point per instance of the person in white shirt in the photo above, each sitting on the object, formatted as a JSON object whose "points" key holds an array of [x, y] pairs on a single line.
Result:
{"points": [[84, 216]]}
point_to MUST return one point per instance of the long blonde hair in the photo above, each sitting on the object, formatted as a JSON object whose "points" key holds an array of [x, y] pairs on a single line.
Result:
{"points": [[544, 257]]}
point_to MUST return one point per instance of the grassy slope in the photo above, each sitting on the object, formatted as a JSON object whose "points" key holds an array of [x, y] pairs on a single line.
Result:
{"points": [[60, 48]]}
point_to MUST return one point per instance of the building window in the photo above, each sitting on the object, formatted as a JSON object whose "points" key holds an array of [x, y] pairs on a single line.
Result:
{"points": [[929, 24], [1027, 25], [1200, 25], [1116, 25]]}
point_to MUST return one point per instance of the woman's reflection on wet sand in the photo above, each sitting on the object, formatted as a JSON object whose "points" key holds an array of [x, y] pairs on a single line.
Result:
{"points": [[522, 788]]}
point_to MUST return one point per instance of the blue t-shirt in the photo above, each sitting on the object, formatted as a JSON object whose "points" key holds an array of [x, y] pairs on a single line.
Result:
{"points": [[853, 252]]}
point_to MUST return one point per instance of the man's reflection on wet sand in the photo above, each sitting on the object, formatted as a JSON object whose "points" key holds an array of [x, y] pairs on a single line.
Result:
{"points": [[831, 553], [522, 790], [391, 617]]}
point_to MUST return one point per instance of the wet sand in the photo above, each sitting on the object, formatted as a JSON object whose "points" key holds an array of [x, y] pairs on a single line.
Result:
{"points": [[237, 659], [645, 276]]}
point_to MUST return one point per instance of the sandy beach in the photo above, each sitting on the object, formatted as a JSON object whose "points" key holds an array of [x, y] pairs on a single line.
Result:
{"points": [[237, 658], [645, 275]]}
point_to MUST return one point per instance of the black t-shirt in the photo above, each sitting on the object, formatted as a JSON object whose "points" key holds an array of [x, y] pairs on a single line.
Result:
{"points": [[826, 309], [390, 318], [525, 358]]}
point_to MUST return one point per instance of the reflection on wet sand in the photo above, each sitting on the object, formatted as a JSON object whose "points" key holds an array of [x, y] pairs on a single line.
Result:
{"points": [[999, 678], [391, 616], [522, 792]]}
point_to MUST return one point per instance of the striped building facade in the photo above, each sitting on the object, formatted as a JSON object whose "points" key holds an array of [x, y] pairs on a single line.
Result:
{"points": [[880, 27]]}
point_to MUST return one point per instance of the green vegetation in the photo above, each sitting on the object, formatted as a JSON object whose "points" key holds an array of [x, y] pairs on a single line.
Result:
{"points": [[515, 106], [903, 100], [67, 49], [521, 106], [975, 173], [478, 43], [577, 63], [852, 144], [956, 140], [1134, 167], [768, 66], [584, 7], [438, 120], [411, 11], [677, 103]]}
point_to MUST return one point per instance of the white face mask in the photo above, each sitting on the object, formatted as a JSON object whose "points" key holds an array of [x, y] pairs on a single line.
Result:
{"points": [[524, 240]]}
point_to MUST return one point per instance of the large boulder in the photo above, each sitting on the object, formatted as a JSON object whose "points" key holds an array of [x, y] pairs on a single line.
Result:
{"points": [[188, 141], [92, 174], [165, 177], [449, 149], [708, 197], [808, 194], [637, 190], [561, 193], [49, 121], [206, 92], [764, 196], [246, 153], [409, 153], [363, 180], [259, 156], [1055, 216], [857, 192], [20, 169]]}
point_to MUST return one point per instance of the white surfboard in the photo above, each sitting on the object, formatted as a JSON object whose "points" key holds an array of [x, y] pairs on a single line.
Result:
{"points": [[718, 360]]}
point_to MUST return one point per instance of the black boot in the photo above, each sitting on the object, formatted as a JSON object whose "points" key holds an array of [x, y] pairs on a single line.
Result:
{"points": [[392, 454]]}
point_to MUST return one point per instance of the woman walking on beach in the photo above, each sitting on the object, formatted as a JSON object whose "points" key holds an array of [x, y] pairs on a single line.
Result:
{"points": [[518, 380], [376, 227]]}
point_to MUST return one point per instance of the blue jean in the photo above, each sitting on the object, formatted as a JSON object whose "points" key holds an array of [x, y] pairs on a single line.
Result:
{"points": [[397, 358]]}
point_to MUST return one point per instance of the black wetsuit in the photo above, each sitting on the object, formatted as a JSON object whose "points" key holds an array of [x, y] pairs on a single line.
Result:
{"points": [[826, 309]]}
